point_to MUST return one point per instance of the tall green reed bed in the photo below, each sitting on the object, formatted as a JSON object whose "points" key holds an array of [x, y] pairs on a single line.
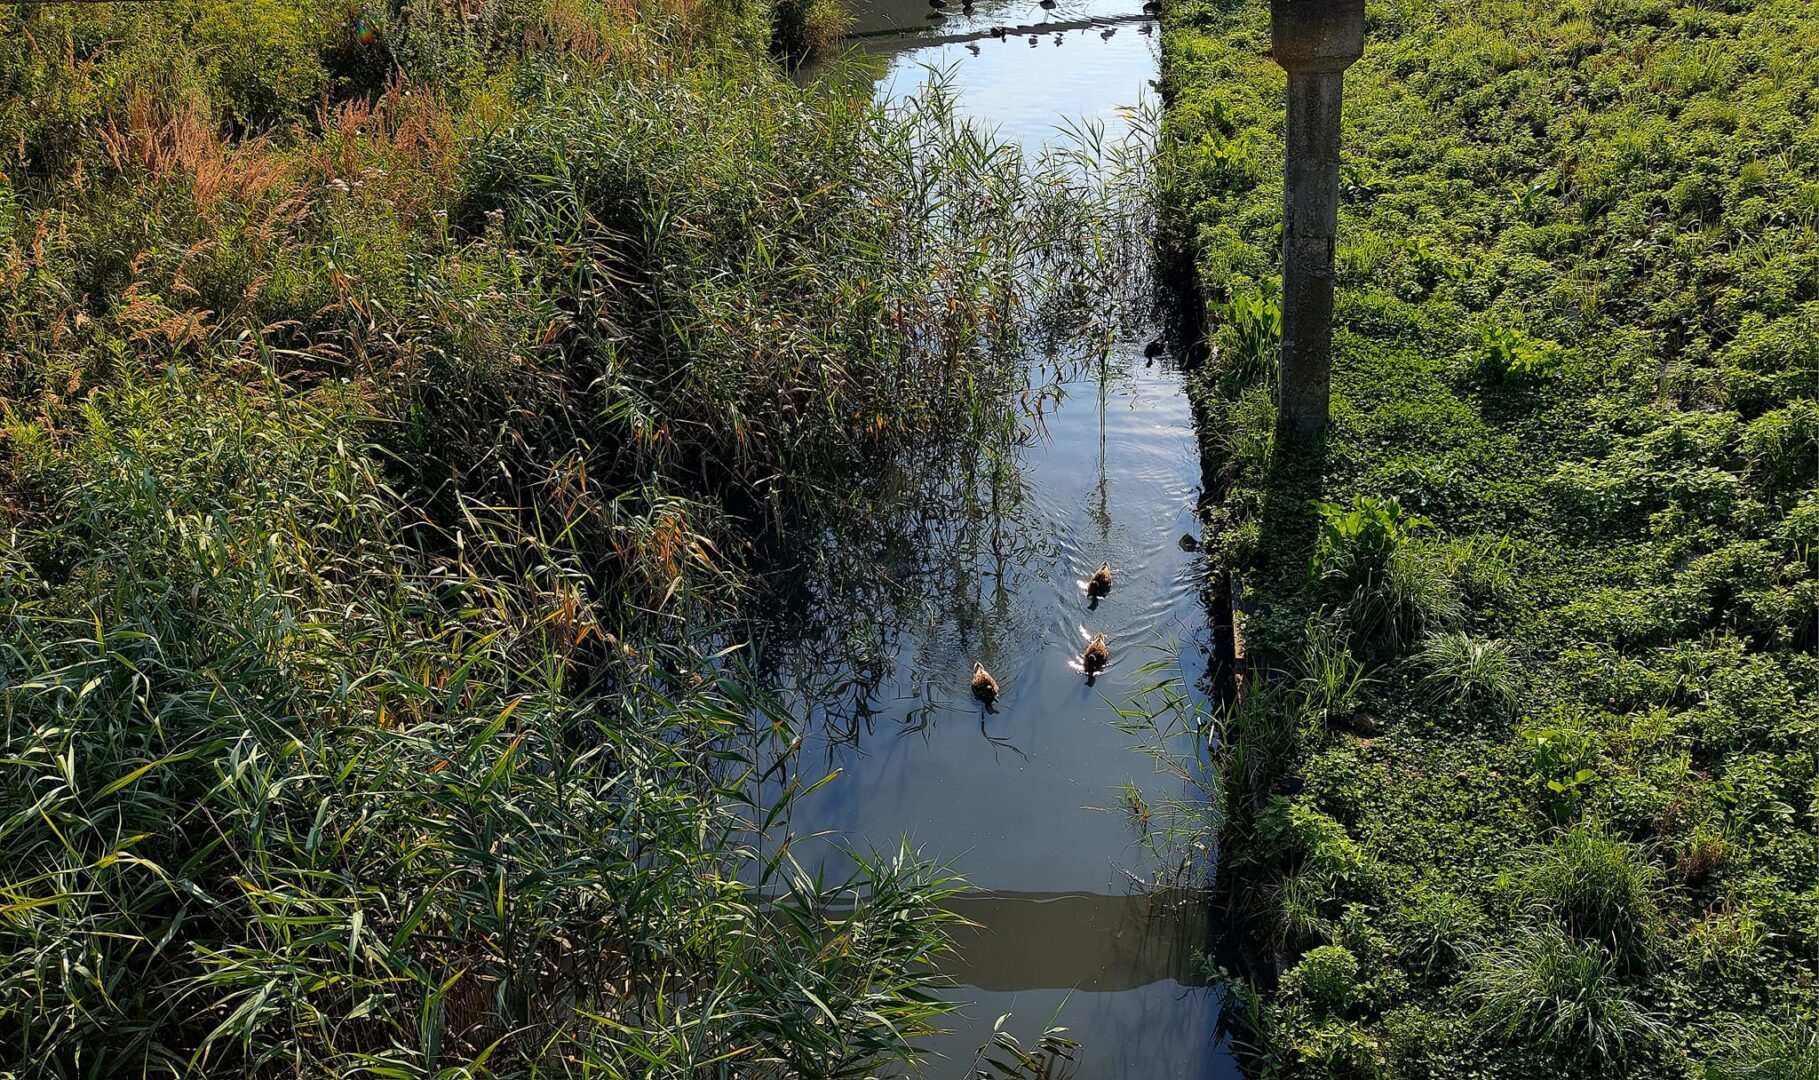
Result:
{"points": [[379, 469], [286, 797], [1522, 777]]}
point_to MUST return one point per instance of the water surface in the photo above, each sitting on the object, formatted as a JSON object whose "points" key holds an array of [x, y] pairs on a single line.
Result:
{"points": [[1030, 804]]}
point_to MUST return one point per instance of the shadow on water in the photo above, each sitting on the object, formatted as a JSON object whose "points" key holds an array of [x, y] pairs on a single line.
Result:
{"points": [[983, 557], [1119, 943]]}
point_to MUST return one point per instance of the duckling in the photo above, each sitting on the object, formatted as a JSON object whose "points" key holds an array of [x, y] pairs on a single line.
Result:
{"points": [[985, 688], [1155, 348], [1100, 584], [1095, 656]]}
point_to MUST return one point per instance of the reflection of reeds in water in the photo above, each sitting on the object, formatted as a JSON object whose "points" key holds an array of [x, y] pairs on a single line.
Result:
{"points": [[923, 558], [1172, 724], [1091, 942], [1008, 940], [929, 574]]}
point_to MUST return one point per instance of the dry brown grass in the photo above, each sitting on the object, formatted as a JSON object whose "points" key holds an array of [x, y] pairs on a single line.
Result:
{"points": [[621, 33], [402, 148], [166, 140]]}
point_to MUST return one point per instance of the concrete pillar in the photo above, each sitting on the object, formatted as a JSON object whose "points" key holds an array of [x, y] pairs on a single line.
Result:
{"points": [[1314, 41]]}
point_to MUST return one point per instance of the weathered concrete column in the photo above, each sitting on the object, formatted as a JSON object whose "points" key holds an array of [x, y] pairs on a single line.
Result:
{"points": [[1314, 41]]}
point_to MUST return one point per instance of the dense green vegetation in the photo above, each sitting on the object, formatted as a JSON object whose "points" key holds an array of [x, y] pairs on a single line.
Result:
{"points": [[392, 398], [1524, 776]]}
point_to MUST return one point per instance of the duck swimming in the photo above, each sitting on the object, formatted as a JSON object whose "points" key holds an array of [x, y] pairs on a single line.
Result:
{"points": [[985, 688], [1100, 584], [1094, 658]]}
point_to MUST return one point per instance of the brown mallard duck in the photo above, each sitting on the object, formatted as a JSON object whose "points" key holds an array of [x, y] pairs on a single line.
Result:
{"points": [[985, 688], [1095, 656], [1100, 584]]}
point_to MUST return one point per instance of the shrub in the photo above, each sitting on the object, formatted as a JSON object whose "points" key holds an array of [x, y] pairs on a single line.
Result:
{"points": [[1437, 925], [1355, 543], [1800, 530], [1250, 337], [1728, 944], [1782, 448], [800, 28], [1230, 164], [1315, 844], [1338, 1049], [1561, 759], [1506, 354], [1326, 976]]}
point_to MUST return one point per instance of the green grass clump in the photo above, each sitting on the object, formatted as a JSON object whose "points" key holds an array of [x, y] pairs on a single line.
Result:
{"points": [[1325, 976], [1365, 556], [1771, 1053], [1576, 300], [1597, 887], [1464, 668], [1550, 993]]}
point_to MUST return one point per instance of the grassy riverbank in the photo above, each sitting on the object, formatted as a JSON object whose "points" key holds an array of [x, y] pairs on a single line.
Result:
{"points": [[391, 396], [1529, 782]]}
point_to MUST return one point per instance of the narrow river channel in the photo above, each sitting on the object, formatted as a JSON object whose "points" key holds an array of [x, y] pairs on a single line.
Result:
{"points": [[1032, 805]]}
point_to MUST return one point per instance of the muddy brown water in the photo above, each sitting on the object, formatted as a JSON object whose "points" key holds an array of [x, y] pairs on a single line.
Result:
{"points": [[1025, 804]]}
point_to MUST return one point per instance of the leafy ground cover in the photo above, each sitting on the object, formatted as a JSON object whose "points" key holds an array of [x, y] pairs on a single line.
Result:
{"points": [[391, 397], [1524, 777]]}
